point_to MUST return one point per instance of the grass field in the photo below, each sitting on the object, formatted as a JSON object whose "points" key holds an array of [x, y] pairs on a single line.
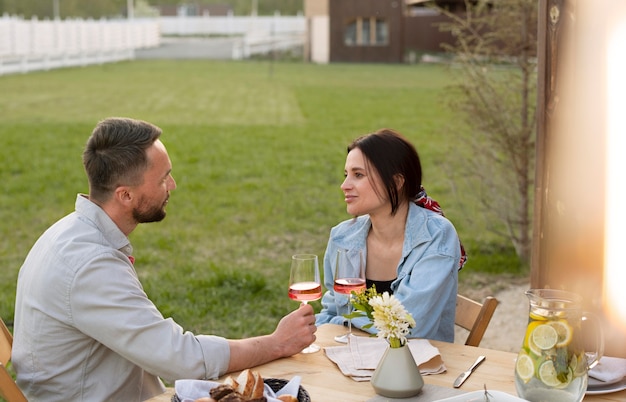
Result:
{"points": [[258, 151]]}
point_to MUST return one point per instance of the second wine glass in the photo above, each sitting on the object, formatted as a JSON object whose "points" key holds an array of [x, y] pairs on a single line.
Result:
{"points": [[305, 284], [349, 277]]}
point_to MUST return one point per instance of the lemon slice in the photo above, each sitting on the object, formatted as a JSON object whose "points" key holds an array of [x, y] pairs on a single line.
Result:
{"points": [[544, 337], [547, 374], [537, 317], [525, 367], [573, 363], [564, 331], [534, 349], [581, 365], [528, 342]]}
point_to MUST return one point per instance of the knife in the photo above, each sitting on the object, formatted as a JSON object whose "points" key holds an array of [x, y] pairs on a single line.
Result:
{"points": [[463, 376]]}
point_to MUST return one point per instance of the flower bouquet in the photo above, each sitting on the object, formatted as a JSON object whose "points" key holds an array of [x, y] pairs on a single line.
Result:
{"points": [[396, 375], [386, 314]]}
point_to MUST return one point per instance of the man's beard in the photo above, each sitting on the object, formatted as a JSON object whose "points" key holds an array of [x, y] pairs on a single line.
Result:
{"points": [[153, 214]]}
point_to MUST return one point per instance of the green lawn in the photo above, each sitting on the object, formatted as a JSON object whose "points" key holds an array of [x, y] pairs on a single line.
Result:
{"points": [[258, 153]]}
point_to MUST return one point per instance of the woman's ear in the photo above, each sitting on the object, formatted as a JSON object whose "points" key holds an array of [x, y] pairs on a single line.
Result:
{"points": [[399, 179]]}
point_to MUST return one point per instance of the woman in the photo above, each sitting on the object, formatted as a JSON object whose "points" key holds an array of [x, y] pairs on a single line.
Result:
{"points": [[411, 251]]}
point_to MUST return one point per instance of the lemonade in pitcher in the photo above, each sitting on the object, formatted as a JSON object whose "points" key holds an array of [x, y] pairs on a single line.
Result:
{"points": [[552, 365]]}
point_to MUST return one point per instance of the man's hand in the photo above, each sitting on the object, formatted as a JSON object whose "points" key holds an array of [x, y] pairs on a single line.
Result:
{"points": [[296, 330]]}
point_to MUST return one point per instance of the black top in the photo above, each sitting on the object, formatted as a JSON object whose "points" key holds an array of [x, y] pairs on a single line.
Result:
{"points": [[381, 286]]}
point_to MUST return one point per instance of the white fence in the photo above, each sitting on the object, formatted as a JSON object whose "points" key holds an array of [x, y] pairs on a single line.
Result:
{"points": [[255, 43], [259, 34], [204, 25], [29, 45]]}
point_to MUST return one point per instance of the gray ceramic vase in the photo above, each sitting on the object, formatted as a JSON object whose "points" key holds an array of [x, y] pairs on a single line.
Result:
{"points": [[397, 375]]}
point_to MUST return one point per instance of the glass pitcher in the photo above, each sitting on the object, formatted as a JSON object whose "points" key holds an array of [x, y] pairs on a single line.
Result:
{"points": [[552, 364]]}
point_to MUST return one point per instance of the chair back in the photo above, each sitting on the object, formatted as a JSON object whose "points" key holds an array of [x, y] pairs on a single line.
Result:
{"points": [[474, 316], [6, 343], [8, 388]]}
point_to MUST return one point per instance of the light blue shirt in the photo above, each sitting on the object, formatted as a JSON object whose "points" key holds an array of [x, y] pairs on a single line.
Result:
{"points": [[427, 273], [85, 329]]}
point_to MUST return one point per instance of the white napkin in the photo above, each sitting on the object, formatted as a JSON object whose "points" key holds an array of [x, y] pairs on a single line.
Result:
{"points": [[359, 360], [609, 369], [190, 390]]}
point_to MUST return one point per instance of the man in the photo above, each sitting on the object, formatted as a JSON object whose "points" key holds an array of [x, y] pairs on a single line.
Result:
{"points": [[84, 328]]}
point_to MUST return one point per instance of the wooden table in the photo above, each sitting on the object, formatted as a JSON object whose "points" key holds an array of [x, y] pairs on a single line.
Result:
{"points": [[324, 382]]}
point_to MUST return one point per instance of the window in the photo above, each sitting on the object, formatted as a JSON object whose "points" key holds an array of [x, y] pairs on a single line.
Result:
{"points": [[368, 31]]}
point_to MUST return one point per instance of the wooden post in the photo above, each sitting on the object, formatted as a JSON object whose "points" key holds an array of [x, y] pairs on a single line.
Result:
{"points": [[569, 214]]}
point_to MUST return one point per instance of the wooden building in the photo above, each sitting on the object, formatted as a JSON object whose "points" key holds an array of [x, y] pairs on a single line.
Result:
{"points": [[373, 31]]}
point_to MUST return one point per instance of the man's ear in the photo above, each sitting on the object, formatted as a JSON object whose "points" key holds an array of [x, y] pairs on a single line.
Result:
{"points": [[123, 194]]}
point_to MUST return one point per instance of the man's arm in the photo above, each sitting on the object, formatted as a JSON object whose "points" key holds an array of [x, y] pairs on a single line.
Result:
{"points": [[294, 332]]}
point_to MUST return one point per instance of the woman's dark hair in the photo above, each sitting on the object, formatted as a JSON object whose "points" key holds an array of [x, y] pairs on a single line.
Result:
{"points": [[392, 156], [115, 154]]}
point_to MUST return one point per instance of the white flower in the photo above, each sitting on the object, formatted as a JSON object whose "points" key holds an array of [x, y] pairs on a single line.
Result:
{"points": [[391, 319]]}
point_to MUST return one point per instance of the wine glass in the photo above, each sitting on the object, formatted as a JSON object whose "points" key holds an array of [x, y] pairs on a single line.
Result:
{"points": [[349, 277], [304, 284]]}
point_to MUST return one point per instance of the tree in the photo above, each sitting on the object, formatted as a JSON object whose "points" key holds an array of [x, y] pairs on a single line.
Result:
{"points": [[116, 8], [245, 7], [68, 8], [494, 55]]}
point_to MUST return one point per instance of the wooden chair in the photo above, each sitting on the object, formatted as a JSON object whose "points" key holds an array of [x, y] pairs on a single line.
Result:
{"points": [[8, 389], [474, 317]]}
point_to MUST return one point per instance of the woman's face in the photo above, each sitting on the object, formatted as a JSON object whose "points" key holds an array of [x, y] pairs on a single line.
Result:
{"points": [[362, 187]]}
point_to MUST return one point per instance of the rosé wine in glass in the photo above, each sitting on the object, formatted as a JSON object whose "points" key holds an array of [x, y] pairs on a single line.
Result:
{"points": [[347, 285], [305, 284], [305, 291], [349, 277]]}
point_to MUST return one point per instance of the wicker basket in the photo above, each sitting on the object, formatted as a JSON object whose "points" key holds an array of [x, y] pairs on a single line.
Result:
{"points": [[275, 384]]}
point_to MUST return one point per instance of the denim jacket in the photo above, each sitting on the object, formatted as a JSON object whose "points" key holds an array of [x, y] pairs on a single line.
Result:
{"points": [[427, 275]]}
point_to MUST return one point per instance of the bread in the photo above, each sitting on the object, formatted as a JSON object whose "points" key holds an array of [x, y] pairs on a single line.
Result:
{"points": [[246, 383], [287, 398], [233, 397], [259, 386], [221, 391], [232, 382], [248, 387]]}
